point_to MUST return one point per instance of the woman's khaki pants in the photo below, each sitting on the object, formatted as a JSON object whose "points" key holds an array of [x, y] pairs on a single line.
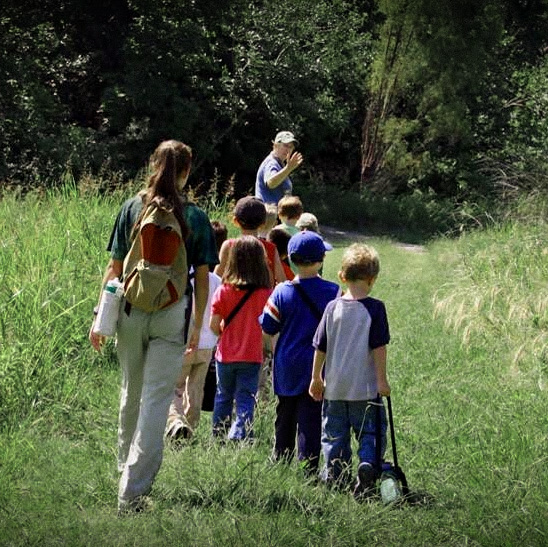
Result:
{"points": [[150, 349]]}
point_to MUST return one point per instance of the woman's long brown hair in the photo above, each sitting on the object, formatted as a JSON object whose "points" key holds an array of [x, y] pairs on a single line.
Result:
{"points": [[170, 159]]}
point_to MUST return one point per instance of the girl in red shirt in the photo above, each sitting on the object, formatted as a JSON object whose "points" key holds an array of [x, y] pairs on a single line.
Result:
{"points": [[240, 349]]}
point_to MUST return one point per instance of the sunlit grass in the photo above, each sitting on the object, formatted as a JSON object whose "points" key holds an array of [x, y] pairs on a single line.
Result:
{"points": [[500, 291], [470, 417]]}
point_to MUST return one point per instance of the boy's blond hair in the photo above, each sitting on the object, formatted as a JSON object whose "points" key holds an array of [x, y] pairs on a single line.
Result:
{"points": [[360, 261], [290, 207]]}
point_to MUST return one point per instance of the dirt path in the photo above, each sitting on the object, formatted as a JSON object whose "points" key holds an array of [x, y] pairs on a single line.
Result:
{"points": [[336, 235]]}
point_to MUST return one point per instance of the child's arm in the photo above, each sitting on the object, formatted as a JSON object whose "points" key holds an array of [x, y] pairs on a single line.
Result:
{"points": [[215, 324], [201, 292], [223, 258], [279, 272], [316, 384], [379, 358]]}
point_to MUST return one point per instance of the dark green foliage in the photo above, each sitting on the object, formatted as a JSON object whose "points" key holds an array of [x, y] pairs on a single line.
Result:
{"points": [[100, 86], [454, 87], [430, 95], [54, 58]]}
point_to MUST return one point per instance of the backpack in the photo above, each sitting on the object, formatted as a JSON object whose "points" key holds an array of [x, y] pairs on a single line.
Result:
{"points": [[155, 270]]}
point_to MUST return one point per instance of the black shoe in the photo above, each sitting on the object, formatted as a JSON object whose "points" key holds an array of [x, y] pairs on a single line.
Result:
{"points": [[365, 484]]}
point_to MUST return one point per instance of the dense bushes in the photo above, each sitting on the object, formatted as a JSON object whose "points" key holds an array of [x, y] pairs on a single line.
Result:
{"points": [[430, 96]]}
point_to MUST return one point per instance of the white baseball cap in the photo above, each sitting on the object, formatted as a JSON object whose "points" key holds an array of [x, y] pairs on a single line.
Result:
{"points": [[308, 221], [285, 137]]}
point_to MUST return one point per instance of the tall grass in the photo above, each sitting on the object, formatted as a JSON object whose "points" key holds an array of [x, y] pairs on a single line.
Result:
{"points": [[468, 436], [50, 262], [500, 292]]}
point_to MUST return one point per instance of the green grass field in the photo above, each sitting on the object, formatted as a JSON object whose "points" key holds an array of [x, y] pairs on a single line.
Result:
{"points": [[468, 365]]}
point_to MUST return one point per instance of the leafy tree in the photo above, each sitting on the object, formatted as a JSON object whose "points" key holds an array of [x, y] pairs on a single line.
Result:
{"points": [[512, 127], [303, 65], [52, 59], [430, 95], [425, 88], [227, 78]]}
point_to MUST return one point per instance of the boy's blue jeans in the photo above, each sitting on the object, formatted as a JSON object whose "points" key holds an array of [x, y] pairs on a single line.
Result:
{"points": [[238, 383], [339, 419]]}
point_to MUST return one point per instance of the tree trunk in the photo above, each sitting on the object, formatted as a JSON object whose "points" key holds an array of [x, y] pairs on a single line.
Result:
{"points": [[381, 103]]}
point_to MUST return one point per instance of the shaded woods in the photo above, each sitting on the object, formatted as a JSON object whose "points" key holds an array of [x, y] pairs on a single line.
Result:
{"points": [[390, 96]]}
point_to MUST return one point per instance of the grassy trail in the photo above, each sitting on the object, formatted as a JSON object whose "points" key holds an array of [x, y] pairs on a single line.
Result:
{"points": [[468, 434]]}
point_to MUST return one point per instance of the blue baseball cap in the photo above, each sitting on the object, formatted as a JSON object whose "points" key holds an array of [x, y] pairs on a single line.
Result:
{"points": [[308, 245]]}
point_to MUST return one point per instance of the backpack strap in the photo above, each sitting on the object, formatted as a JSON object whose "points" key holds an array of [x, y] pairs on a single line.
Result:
{"points": [[397, 468], [238, 307], [307, 300]]}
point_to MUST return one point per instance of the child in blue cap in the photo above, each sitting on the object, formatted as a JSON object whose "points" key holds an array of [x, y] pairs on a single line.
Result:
{"points": [[294, 311]]}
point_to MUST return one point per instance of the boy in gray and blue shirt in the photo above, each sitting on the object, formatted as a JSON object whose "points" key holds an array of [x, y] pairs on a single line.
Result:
{"points": [[350, 343]]}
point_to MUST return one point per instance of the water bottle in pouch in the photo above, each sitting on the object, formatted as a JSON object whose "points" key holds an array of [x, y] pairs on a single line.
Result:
{"points": [[390, 488], [109, 308]]}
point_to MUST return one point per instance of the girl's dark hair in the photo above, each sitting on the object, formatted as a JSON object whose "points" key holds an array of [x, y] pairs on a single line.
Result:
{"points": [[247, 265], [168, 162], [220, 232], [280, 238]]}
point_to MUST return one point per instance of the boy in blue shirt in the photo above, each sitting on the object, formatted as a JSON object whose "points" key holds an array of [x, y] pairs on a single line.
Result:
{"points": [[351, 341], [294, 310]]}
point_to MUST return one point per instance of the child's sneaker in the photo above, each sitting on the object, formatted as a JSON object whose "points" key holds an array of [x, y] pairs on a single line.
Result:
{"points": [[365, 484], [177, 430]]}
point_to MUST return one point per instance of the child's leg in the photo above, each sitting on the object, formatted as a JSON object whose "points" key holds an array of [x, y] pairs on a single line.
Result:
{"points": [[247, 380], [265, 372], [224, 397], [336, 440], [210, 386], [363, 416], [195, 386], [309, 420], [285, 427], [176, 417]]}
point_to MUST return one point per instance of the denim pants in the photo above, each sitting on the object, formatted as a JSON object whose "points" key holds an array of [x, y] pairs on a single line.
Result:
{"points": [[340, 419], [298, 416], [150, 349], [236, 383]]}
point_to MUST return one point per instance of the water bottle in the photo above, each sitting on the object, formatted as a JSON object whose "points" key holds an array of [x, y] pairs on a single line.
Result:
{"points": [[390, 488], [109, 308]]}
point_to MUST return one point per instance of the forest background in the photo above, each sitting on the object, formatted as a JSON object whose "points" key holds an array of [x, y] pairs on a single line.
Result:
{"points": [[437, 102]]}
